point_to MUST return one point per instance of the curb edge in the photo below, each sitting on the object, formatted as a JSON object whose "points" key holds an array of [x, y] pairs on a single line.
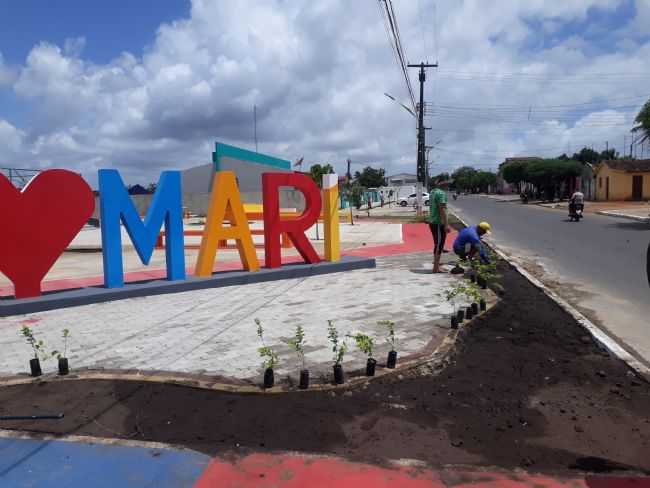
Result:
{"points": [[599, 335], [636, 218]]}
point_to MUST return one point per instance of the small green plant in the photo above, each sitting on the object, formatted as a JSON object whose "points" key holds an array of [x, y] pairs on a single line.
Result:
{"points": [[269, 357], [297, 343], [390, 326], [65, 335], [487, 271], [38, 347], [469, 290], [364, 343], [339, 348]]}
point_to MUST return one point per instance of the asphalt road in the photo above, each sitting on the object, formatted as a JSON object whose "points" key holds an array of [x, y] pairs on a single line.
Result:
{"points": [[598, 264]]}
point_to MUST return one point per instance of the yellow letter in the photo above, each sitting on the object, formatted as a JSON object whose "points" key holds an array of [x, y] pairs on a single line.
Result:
{"points": [[331, 217], [225, 204]]}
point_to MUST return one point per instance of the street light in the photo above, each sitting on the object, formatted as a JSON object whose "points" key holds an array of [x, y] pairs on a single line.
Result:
{"points": [[404, 106]]}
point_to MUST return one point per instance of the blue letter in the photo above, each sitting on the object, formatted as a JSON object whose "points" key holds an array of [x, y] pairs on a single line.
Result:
{"points": [[116, 205]]}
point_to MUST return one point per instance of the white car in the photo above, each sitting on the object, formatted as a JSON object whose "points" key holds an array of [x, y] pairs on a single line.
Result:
{"points": [[410, 200]]}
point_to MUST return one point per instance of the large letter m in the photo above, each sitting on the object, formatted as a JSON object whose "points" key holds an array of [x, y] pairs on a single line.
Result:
{"points": [[116, 206]]}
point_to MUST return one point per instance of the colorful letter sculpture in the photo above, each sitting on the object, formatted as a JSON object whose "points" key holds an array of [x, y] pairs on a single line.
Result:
{"points": [[295, 228], [225, 204], [116, 206], [331, 217], [38, 223]]}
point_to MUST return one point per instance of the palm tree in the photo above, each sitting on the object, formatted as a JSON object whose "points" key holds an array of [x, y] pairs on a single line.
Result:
{"points": [[643, 123]]}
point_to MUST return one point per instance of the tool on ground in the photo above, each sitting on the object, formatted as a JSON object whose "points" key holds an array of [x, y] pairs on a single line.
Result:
{"points": [[54, 416]]}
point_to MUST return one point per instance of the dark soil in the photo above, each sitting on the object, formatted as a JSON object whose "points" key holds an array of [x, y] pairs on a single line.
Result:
{"points": [[526, 387]]}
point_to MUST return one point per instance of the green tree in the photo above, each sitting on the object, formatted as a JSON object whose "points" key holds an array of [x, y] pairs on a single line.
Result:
{"points": [[608, 155], [482, 180], [587, 155], [643, 123], [514, 173], [356, 195], [370, 177], [548, 174], [316, 171], [439, 178], [464, 178]]}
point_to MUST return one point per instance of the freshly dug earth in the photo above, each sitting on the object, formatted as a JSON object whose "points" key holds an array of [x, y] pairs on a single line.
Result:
{"points": [[526, 386]]}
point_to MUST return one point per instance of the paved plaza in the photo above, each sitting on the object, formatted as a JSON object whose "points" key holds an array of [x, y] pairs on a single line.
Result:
{"points": [[213, 331]]}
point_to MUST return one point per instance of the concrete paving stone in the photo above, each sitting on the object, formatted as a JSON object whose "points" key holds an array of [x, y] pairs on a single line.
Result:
{"points": [[213, 332]]}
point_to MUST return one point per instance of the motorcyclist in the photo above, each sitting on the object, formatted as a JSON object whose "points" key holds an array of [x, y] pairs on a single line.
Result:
{"points": [[576, 202]]}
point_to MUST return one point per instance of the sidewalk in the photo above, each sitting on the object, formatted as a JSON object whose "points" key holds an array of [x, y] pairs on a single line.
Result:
{"points": [[213, 331], [638, 214]]}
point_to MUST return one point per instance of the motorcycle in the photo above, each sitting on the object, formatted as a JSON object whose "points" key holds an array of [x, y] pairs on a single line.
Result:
{"points": [[575, 212]]}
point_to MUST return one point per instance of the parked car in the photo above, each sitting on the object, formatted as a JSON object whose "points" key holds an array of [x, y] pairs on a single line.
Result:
{"points": [[410, 200]]}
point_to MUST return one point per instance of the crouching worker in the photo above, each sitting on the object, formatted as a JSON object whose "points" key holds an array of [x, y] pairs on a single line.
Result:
{"points": [[468, 244]]}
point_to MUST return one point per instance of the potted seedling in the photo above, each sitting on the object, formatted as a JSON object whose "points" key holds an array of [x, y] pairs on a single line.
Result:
{"points": [[268, 355], [37, 347], [392, 354], [63, 358], [339, 348], [297, 343], [473, 295], [456, 316], [365, 345]]}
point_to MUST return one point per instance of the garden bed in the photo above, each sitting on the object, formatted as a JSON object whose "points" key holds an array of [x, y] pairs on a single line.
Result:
{"points": [[525, 386]]}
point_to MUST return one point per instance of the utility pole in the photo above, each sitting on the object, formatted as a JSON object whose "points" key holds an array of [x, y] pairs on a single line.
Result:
{"points": [[348, 178], [421, 165]]}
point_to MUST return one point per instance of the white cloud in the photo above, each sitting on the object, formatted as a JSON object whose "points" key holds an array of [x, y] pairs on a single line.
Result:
{"points": [[317, 72]]}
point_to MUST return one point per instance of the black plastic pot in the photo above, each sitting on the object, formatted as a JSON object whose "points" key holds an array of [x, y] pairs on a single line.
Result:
{"points": [[468, 313], [35, 367], [392, 359], [460, 316], [63, 366], [304, 379], [339, 379], [370, 367], [472, 278], [482, 282], [454, 322], [269, 379], [474, 308], [482, 305]]}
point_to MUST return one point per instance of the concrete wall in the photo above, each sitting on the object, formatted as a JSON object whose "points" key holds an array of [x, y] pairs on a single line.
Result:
{"points": [[620, 184]]}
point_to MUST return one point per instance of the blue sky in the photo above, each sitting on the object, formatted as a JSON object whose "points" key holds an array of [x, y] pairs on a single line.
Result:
{"points": [[109, 27]]}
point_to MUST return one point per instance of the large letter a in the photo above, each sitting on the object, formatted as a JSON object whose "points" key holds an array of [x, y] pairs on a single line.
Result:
{"points": [[225, 204]]}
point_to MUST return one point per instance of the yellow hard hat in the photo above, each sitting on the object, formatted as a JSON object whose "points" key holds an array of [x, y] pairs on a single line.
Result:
{"points": [[485, 226]]}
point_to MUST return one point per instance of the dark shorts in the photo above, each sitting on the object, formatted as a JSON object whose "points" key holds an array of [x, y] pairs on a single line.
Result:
{"points": [[439, 233]]}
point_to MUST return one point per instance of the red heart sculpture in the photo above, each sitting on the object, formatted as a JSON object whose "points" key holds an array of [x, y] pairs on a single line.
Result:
{"points": [[38, 223]]}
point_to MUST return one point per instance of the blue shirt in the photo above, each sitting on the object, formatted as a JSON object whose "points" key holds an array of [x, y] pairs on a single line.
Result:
{"points": [[469, 235]]}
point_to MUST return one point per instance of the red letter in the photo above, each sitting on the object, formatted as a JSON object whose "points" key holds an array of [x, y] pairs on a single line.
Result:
{"points": [[295, 228]]}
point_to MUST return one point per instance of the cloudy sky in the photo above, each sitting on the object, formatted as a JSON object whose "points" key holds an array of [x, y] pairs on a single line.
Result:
{"points": [[150, 85]]}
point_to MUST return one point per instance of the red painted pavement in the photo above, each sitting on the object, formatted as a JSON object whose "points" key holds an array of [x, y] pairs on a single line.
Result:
{"points": [[415, 238], [295, 471]]}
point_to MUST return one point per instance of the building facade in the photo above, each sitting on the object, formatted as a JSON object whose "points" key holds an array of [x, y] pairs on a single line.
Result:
{"points": [[623, 180]]}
